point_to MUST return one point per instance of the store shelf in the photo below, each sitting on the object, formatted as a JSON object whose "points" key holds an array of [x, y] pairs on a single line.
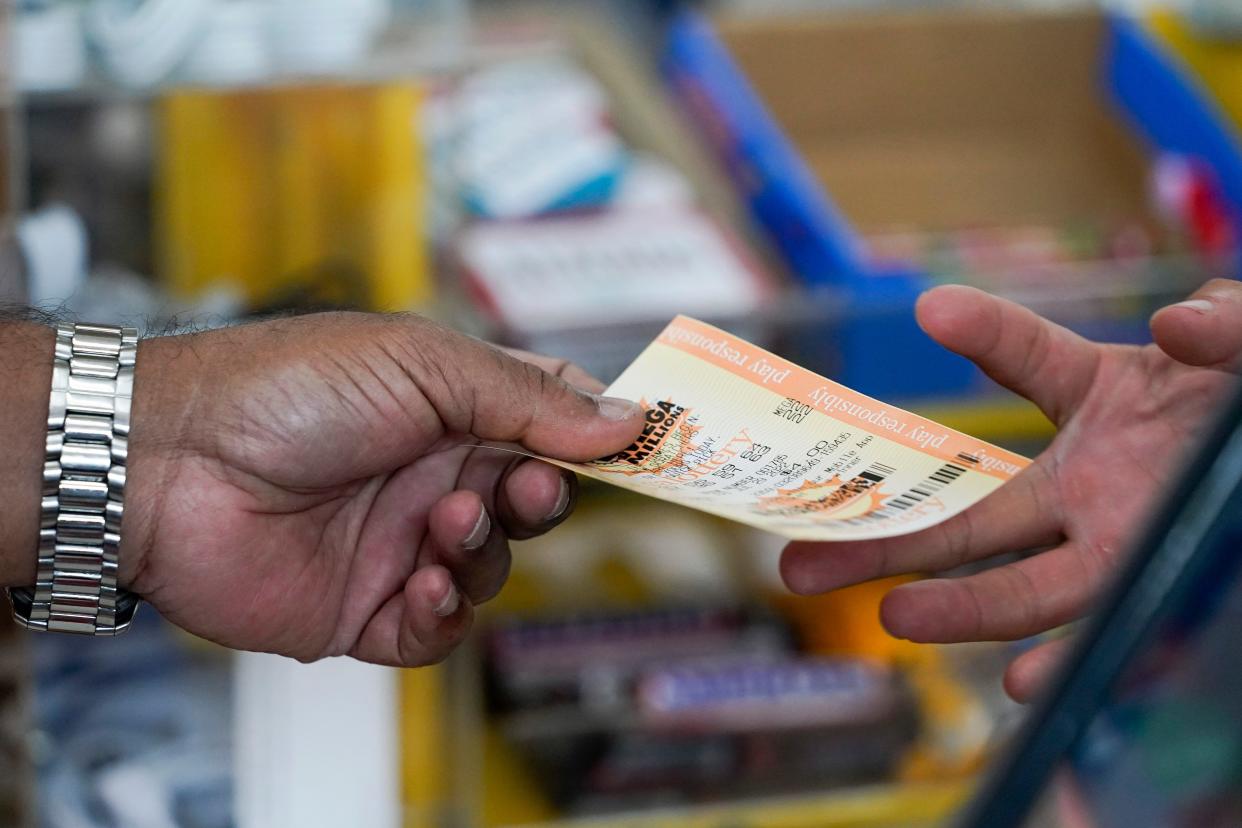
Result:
{"points": [[908, 806]]}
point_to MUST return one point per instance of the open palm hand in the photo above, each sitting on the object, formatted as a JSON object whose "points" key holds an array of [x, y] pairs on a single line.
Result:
{"points": [[1126, 418]]}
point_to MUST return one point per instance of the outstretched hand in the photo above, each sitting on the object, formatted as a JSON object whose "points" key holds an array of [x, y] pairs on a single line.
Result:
{"points": [[1126, 416], [310, 486]]}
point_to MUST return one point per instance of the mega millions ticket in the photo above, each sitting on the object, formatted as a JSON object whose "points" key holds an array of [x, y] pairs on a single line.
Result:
{"points": [[741, 433]]}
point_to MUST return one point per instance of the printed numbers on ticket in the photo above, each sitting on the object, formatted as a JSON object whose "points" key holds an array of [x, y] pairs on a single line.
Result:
{"points": [[741, 433]]}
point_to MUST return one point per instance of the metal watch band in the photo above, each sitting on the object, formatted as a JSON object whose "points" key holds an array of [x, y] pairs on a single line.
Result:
{"points": [[84, 486]]}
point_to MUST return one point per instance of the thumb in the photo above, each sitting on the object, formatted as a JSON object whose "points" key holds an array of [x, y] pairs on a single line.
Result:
{"points": [[480, 390], [1206, 329]]}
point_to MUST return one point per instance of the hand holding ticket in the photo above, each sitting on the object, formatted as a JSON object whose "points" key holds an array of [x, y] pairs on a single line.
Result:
{"points": [[741, 433]]}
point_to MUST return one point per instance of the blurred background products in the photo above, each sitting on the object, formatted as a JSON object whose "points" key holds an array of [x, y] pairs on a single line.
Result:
{"points": [[16, 777], [681, 704], [140, 44], [610, 268], [54, 253], [545, 284], [1216, 18], [565, 177], [234, 47], [133, 735], [49, 48], [326, 36], [531, 137], [312, 195]]}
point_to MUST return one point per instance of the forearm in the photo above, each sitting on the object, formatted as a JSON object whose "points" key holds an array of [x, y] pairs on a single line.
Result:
{"points": [[25, 383]]}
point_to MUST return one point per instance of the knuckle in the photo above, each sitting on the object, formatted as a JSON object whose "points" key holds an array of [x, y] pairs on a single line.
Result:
{"points": [[972, 606], [957, 536], [1096, 560], [559, 367], [1029, 608], [536, 380]]}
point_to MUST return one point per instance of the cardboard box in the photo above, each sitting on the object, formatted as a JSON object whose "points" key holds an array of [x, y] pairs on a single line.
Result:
{"points": [[942, 120]]}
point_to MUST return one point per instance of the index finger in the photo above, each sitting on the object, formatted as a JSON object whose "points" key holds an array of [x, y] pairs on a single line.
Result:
{"points": [[562, 368], [1044, 362]]}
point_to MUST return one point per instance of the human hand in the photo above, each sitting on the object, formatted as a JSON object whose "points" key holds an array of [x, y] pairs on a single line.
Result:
{"points": [[308, 487], [1126, 416]]}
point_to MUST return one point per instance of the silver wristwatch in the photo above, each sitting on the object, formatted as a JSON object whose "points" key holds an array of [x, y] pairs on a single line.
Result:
{"points": [[84, 486]]}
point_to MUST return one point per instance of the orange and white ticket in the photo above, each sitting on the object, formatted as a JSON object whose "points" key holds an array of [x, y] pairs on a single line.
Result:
{"points": [[741, 433]]}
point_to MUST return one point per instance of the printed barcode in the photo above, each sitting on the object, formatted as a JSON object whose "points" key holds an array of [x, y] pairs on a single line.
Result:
{"points": [[968, 458], [867, 479], [933, 483], [876, 472]]}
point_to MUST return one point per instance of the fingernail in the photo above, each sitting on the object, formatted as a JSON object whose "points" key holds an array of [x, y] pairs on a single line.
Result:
{"points": [[562, 502], [448, 604], [478, 535], [615, 408], [1196, 305]]}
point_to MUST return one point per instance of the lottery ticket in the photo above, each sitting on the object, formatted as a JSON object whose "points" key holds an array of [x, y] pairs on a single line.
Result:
{"points": [[741, 433]]}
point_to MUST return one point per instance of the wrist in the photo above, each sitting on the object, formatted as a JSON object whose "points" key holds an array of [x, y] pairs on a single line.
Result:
{"points": [[26, 377], [162, 392]]}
